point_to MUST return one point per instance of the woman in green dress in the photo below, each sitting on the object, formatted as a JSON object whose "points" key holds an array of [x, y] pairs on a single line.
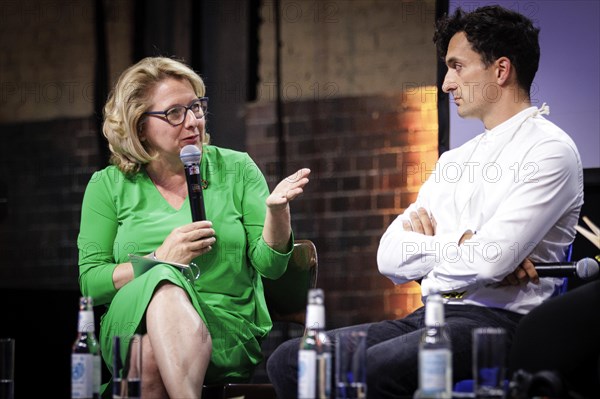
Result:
{"points": [[194, 330]]}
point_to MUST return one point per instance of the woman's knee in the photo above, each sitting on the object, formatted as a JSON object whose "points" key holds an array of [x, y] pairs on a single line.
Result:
{"points": [[169, 297], [167, 289]]}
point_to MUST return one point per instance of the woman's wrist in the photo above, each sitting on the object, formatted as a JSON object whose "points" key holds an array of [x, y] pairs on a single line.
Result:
{"points": [[279, 208]]}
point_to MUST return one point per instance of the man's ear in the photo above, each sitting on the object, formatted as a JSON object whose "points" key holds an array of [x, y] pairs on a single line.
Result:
{"points": [[503, 70]]}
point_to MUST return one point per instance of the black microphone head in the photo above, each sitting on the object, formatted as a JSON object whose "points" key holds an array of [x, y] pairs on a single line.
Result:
{"points": [[190, 154], [587, 269]]}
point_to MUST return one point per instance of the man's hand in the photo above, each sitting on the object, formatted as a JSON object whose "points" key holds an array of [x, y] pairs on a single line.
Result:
{"points": [[420, 222], [523, 274], [466, 235]]}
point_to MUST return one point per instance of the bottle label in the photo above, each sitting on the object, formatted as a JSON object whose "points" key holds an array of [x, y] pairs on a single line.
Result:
{"points": [[82, 375], [86, 321], [435, 371], [307, 374], [315, 317]]}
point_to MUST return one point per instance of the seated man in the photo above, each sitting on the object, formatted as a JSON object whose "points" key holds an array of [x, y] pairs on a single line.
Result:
{"points": [[511, 193]]}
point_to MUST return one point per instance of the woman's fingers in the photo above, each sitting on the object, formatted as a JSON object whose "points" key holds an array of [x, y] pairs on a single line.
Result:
{"points": [[199, 234], [187, 242], [202, 224], [299, 176], [289, 188]]}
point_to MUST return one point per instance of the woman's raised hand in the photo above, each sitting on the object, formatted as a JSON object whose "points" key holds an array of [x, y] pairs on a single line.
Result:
{"points": [[288, 189]]}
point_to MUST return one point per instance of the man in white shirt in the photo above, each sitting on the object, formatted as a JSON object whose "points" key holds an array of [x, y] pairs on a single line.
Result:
{"points": [[509, 197]]}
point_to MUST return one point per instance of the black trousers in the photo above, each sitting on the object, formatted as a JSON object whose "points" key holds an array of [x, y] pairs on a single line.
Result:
{"points": [[563, 335]]}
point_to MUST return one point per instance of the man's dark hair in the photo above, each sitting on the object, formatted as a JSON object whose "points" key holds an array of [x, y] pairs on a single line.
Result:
{"points": [[495, 32]]}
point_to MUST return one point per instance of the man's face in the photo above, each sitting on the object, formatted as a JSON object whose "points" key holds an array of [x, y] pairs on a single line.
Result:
{"points": [[472, 85]]}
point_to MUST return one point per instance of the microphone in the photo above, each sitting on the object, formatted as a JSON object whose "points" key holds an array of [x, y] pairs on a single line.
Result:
{"points": [[190, 155], [585, 269]]}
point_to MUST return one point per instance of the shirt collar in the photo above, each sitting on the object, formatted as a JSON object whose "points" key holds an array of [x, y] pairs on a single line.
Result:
{"points": [[512, 123]]}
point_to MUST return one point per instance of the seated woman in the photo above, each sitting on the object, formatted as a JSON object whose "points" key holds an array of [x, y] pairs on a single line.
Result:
{"points": [[195, 331]]}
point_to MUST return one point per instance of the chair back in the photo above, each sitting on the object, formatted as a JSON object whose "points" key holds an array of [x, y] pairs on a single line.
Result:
{"points": [[287, 296]]}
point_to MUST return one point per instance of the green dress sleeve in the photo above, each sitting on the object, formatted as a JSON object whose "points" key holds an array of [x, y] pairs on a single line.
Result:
{"points": [[96, 238], [268, 262]]}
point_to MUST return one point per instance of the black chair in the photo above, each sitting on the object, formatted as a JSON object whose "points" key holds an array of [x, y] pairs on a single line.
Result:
{"points": [[286, 298]]}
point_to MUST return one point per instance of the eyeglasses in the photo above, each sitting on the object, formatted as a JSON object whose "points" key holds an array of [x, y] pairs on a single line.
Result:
{"points": [[176, 115]]}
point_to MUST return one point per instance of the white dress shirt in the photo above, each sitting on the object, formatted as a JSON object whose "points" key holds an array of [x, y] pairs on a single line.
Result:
{"points": [[519, 187]]}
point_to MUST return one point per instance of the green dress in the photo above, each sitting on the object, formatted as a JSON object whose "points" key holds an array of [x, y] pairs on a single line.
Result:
{"points": [[127, 215]]}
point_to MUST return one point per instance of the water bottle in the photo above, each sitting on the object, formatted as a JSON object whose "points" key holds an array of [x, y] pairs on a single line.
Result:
{"points": [[85, 356], [314, 356], [435, 354]]}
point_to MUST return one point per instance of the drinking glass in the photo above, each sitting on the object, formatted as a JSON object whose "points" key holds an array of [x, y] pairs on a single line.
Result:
{"points": [[351, 365], [489, 362]]}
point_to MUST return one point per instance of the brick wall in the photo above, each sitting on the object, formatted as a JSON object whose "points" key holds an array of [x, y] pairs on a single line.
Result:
{"points": [[48, 138], [368, 156], [45, 166], [360, 111]]}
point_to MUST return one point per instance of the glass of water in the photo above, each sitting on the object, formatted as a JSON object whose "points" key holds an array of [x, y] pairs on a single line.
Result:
{"points": [[351, 365], [489, 362]]}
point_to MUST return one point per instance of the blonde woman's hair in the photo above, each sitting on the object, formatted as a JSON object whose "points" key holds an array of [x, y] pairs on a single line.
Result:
{"points": [[124, 111]]}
